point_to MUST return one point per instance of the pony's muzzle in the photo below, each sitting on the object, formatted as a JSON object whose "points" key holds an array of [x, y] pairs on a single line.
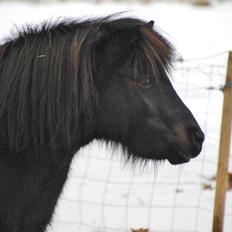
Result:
{"points": [[197, 137], [187, 143]]}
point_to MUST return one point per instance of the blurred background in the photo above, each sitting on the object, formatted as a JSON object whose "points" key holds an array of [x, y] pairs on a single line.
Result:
{"points": [[101, 194]]}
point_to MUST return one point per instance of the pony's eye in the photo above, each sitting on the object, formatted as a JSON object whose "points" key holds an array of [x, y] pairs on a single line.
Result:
{"points": [[145, 84]]}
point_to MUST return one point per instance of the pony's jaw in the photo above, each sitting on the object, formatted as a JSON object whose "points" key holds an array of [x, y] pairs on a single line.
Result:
{"points": [[187, 143], [158, 142], [177, 156]]}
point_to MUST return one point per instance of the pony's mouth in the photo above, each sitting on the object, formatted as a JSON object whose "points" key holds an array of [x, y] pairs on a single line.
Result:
{"points": [[177, 156]]}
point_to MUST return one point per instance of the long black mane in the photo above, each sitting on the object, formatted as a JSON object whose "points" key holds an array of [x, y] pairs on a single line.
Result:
{"points": [[47, 79]]}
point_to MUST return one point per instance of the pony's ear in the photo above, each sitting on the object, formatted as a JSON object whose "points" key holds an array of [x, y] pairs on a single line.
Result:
{"points": [[149, 24], [129, 35], [117, 44], [124, 34], [99, 36], [124, 41]]}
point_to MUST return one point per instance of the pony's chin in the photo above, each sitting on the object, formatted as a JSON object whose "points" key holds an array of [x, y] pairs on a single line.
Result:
{"points": [[177, 156]]}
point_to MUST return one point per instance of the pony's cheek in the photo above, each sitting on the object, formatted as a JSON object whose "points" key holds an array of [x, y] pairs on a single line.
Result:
{"points": [[150, 138]]}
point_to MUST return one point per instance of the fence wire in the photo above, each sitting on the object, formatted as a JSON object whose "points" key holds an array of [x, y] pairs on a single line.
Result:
{"points": [[102, 195]]}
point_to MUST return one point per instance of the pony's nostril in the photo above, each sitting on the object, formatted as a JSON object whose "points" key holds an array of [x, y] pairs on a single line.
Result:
{"points": [[197, 137]]}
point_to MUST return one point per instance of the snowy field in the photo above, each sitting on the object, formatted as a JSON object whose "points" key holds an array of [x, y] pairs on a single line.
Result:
{"points": [[101, 194]]}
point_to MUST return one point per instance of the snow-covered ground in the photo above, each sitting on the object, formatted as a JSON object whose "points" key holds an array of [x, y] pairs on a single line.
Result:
{"points": [[103, 195]]}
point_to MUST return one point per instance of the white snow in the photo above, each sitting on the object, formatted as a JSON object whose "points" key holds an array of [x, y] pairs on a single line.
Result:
{"points": [[103, 195]]}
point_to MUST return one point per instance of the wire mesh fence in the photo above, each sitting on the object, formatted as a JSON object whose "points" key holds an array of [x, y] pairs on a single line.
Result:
{"points": [[104, 195]]}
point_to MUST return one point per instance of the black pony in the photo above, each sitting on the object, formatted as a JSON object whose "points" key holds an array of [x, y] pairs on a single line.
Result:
{"points": [[63, 85]]}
